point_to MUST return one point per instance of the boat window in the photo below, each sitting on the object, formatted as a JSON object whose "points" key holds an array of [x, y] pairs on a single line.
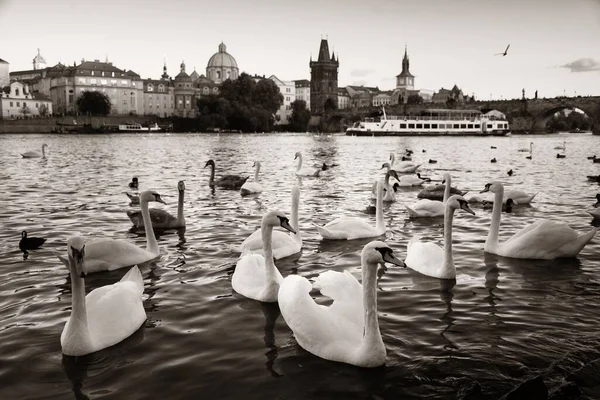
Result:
{"points": [[463, 126], [490, 125], [402, 126], [434, 126], [419, 126], [470, 126], [477, 126], [427, 126], [456, 126], [411, 126]]}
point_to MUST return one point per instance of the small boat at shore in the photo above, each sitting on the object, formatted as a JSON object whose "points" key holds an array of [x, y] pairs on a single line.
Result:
{"points": [[135, 127], [432, 122]]}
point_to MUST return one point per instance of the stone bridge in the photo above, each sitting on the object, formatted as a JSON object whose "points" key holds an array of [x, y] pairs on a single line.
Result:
{"points": [[524, 115]]}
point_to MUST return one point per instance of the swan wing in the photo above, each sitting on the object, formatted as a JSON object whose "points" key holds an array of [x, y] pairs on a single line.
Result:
{"points": [[115, 311], [108, 254], [250, 279], [426, 208], [283, 244], [424, 257], [346, 292], [347, 228], [251, 187]]}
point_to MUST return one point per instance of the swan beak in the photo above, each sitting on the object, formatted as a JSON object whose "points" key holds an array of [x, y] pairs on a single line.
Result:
{"points": [[487, 189], [597, 204], [465, 206], [389, 257], [78, 256], [286, 224]]}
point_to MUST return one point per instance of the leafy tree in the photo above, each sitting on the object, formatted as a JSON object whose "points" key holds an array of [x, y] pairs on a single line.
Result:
{"points": [[330, 105], [562, 122], [414, 99], [300, 117], [267, 96], [43, 110], [94, 103], [25, 110]]}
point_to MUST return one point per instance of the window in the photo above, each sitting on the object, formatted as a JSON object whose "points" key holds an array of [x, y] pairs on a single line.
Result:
{"points": [[150, 88], [161, 88], [228, 74], [488, 125], [434, 126], [104, 81], [37, 105], [427, 126], [81, 80], [419, 126], [11, 103], [92, 73], [113, 74], [113, 81], [93, 81], [123, 82], [470, 126], [19, 104], [102, 73], [463, 126], [206, 90], [477, 126], [16, 94], [218, 74], [411, 126]]}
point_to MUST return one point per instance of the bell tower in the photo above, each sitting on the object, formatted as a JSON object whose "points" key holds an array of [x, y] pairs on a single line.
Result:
{"points": [[323, 79]]}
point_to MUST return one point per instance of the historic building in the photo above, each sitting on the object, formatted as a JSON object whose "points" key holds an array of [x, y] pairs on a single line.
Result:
{"points": [[323, 79], [382, 98], [159, 96], [361, 96], [185, 103], [222, 66], [343, 98], [4, 73], [303, 91], [38, 61], [405, 82], [17, 101], [288, 90]]}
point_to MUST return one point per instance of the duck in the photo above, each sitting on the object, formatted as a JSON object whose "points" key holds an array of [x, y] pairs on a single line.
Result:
{"points": [[107, 315], [563, 147], [506, 207], [134, 183], [308, 171], [346, 331], [510, 172], [134, 199], [283, 244], [428, 258], [107, 254], [255, 275], [35, 154], [253, 187], [592, 157], [543, 239], [594, 178], [423, 151], [560, 156], [162, 219], [528, 157], [493, 147], [326, 167], [431, 208], [493, 160], [30, 243], [350, 228], [596, 211], [530, 149], [431, 161], [406, 158], [229, 182]]}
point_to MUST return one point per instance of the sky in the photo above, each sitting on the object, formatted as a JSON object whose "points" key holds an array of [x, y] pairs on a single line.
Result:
{"points": [[554, 45]]}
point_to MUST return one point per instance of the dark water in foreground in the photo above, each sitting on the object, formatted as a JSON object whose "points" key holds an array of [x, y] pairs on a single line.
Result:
{"points": [[502, 322]]}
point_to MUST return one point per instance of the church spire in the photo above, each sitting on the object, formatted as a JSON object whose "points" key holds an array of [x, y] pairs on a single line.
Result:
{"points": [[165, 76]]}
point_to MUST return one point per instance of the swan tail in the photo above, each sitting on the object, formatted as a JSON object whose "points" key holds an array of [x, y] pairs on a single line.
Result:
{"points": [[134, 275], [325, 233], [411, 211], [586, 238]]}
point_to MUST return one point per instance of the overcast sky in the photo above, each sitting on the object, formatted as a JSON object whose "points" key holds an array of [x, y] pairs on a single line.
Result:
{"points": [[554, 45]]}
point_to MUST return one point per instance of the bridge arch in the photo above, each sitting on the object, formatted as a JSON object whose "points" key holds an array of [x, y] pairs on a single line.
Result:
{"points": [[541, 119]]}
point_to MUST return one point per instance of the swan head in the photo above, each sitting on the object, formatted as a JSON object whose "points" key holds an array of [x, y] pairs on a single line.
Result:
{"points": [[493, 187], [297, 155], [393, 174], [24, 233], [44, 145], [458, 202], [181, 186], [256, 164], [150, 195], [445, 179], [76, 252], [378, 252], [385, 165], [210, 162], [276, 218]]}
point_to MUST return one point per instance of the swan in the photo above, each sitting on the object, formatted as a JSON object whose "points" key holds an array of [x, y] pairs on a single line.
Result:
{"points": [[389, 191], [133, 198], [231, 182], [430, 259], [431, 208], [35, 154], [563, 147], [160, 218], [283, 243], [410, 180], [108, 254], [346, 331], [107, 315], [308, 171], [134, 183], [252, 187], [530, 149], [436, 192], [404, 167], [542, 239], [519, 196], [255, 275], [350, 228]]}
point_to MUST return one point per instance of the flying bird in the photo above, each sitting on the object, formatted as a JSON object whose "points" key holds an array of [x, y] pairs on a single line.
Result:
{"points": [[505, 51]]}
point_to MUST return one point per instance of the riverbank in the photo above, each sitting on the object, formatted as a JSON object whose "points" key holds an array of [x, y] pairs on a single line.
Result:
{"points": [[72, 123]]}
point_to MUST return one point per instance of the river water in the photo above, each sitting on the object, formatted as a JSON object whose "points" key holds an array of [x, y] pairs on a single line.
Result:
{"points": [[502, 322]]}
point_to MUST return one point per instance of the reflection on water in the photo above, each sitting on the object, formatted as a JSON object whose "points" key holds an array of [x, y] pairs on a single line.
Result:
{"points": [[501, 320]]}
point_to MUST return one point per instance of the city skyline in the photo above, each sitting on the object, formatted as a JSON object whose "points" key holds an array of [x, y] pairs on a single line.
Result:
{"points": [[552, 47]]}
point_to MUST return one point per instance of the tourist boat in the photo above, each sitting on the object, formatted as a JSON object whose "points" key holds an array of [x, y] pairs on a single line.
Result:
{"points": [[432, 122], [139, 128]]}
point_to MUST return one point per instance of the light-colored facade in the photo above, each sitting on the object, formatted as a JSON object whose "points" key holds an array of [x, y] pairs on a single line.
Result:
{"points": [[222, 66], [361, 96], [382, 99], [20, 102], [343, 99], [185, 105], [288, 90], [4, 73], [159, 98], [303, 91]]}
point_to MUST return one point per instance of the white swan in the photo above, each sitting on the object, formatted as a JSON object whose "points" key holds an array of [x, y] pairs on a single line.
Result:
{"points": [[255, 275], [428, 258], [254, 186], [530, 149], [410, 180], [162, 219], [389, 190], [563, 147], [431, 208], [349, 228], [542, 239], [283, 244], [107, 254], [308, 171], [107, 315], [35, 154], [347, 331]]}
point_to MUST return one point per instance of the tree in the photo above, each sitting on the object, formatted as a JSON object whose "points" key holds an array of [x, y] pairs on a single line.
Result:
{"points": [[25, 110], [94, 103], [43, 110], [414, 99], [267, 96], [330, 105], [300, 117]]}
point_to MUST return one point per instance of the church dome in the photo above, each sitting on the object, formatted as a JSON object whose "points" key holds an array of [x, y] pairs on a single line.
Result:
{"points": [[39, 59], [183, 76], [222, 59]]}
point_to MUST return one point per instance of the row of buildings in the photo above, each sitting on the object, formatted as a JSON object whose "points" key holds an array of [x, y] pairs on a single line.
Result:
{"points": [[54, 90]]}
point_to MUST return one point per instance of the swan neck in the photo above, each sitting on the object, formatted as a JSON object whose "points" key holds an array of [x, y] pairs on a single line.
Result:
{"points": [[267, 242], [447, 190], [492, 239], [295, 206], [256, 172], [379, 221], [77, 329], [180, 218], [371, 333], [151, 244], [211, 180], [299, 162], [43, 152], [448, 264]]}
